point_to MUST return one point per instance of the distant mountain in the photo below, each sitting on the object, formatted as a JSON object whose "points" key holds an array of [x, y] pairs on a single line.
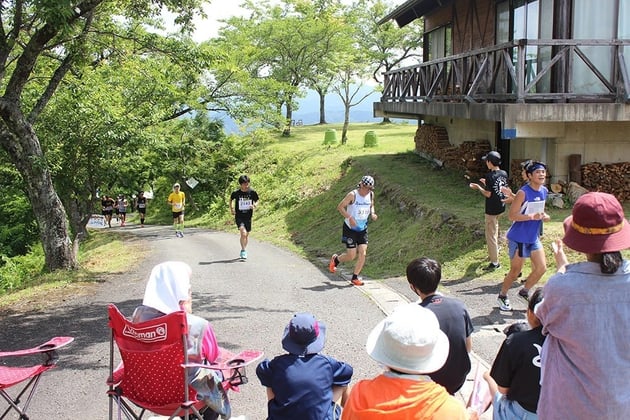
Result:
{"points": [[308, 110]]}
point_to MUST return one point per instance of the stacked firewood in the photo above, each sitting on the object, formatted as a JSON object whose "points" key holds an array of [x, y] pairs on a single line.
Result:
{"points": [[515, 178], [433, 140], [613, 178]]}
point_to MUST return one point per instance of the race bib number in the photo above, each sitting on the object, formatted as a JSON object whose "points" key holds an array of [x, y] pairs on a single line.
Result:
{"points": [[178, 206], [245, 204], [141, 206], [363, 213], [535, 207]]}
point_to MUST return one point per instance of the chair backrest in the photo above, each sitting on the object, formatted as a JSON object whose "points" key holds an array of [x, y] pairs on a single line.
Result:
{"points": [[152, 353]]}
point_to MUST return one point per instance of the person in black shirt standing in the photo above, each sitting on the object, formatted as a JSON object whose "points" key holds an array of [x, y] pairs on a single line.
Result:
{"points": [[492, 182], [242, 204], [424, 275]]}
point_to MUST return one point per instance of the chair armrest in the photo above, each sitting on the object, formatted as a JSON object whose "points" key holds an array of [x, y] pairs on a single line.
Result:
{"points": [[50, 345]]}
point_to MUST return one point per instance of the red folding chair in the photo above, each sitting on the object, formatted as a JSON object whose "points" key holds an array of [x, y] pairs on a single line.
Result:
{"points": [[14, 375], [153, 373]]}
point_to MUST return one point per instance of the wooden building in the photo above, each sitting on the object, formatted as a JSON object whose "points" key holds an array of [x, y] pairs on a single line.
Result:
{"points": [[540, 79]]}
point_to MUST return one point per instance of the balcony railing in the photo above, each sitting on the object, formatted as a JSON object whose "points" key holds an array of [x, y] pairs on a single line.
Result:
{"points": [[523, 71]]}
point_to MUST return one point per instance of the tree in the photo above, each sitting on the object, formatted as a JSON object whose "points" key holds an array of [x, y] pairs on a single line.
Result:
{"points": [[352, 72], [387, 45], [285, 44], [48, 40], [95, 135]]}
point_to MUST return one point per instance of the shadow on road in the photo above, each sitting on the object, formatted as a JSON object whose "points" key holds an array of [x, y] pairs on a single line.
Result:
{"points": [[233, 260]]}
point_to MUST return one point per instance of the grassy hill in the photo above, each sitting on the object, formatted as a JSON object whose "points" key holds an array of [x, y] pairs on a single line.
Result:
{"points": [[422, 211]]}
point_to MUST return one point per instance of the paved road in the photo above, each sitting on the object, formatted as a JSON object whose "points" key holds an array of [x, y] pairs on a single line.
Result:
{"points": [[248, 303]]}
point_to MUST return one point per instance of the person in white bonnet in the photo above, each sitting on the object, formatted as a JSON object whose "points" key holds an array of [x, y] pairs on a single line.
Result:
{"points": [[168, 290], [410, 345]]}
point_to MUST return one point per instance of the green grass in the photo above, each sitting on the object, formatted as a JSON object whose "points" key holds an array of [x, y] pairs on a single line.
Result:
{"points": [[101, 254], [422, 211]]}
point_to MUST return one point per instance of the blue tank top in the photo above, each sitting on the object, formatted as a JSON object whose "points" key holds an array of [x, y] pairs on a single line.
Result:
{"points": [[527, 232]]}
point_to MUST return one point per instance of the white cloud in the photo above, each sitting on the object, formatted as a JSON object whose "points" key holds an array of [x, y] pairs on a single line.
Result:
{"points": [[209, 27], [216, 11]]}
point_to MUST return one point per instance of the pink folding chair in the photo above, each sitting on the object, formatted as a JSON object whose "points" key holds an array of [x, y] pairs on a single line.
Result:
{"points": [[16, 375], [153, 373]]}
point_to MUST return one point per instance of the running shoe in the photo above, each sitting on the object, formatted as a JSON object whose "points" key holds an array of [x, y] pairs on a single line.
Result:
{"points": [[331, 265], [243, 254], [357, 281], [523, 294], [492, 266], [504, 303]]}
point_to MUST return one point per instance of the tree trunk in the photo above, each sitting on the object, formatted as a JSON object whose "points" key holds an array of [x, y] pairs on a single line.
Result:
{"points": [[322, 108], [22, 145], [287, 127], [346, 123], [79, 216]]}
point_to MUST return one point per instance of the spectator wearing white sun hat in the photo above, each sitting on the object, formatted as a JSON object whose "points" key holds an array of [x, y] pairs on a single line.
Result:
{"points": [[410, 345]]}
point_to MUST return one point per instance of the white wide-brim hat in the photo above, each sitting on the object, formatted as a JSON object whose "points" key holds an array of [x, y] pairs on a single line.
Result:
{"points": [[409, 341]]}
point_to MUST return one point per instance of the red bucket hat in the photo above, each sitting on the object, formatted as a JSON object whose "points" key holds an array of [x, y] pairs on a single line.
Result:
{"points": [[597, 224]]}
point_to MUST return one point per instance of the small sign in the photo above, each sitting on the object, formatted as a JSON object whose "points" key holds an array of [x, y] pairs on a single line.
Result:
{"points": [[192, 182], [97, 221]]}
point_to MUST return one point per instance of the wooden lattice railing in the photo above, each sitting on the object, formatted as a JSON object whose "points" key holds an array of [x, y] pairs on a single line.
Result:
{"points": [[526, 70]]}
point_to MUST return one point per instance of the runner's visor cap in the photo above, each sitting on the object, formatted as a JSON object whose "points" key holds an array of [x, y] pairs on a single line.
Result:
{"points": [[368, 182]]}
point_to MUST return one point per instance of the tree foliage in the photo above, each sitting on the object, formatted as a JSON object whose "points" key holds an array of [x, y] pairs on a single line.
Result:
{"points": [[40, 43], [387, 45], [94, 101]]}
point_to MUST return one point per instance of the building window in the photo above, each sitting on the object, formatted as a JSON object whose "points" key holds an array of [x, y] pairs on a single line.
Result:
{"points": [[438, 43]]}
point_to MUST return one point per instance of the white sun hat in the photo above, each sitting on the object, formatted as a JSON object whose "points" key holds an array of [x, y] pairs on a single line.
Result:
{"points": [[409, 341]]}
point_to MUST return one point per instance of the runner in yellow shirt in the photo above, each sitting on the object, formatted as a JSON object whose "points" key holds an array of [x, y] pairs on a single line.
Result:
{"points": [[177, 201]]}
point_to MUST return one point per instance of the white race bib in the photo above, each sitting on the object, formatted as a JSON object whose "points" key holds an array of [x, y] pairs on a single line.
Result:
{"points": [[245, 204]]}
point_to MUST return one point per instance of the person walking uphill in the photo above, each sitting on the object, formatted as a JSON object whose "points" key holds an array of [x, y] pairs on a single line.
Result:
{"points": [[177, 201], [357, 208], [141, 205], [242, 204], [492, 182]]}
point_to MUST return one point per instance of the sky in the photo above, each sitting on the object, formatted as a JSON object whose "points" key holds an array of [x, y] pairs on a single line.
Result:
{"points": [[223, 9], [215, 11]]}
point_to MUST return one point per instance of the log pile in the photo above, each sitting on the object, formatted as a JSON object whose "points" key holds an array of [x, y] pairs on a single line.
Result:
{"points": [[515, 178], [433, 140], [613, 178]]}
